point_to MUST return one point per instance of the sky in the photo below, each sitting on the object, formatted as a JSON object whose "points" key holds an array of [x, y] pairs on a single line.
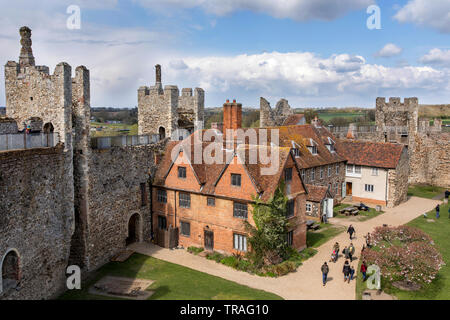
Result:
{"points": [[314, 53]]}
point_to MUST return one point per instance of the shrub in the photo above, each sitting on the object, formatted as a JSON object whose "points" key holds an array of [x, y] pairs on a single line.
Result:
{"points": [[217, 257], [404, 254], [194, 250]]}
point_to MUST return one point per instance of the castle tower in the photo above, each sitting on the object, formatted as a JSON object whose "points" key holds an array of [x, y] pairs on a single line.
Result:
{"points": [[26, 57], [163, 111]]}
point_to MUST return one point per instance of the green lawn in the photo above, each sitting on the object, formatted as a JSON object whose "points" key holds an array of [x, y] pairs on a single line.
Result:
{"points": [[424, 191], [112, 129], [323, 234], [172, 282], [439, 289], [362, 215]]}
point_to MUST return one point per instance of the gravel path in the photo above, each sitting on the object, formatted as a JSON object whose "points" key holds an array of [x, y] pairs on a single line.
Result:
{"points": [[306, 283]]}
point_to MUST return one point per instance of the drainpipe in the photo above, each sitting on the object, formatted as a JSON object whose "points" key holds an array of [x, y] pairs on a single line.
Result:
{"points": [[151, 207], [175, 206], [386, 192]]}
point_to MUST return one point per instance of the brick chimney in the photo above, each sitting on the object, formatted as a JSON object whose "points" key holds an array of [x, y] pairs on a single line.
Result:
{"points": [[232, 115]]}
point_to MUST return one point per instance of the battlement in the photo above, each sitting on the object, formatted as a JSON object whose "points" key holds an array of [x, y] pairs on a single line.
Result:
{"points": [[163, 111], [395, 103]]}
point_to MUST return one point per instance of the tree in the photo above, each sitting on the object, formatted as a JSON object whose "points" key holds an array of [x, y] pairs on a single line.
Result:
{"points": [[268, 236], [310, 114]]}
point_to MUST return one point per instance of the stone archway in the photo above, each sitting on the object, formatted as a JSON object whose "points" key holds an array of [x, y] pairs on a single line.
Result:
{"points": [[162, 133], [10, 270], [134, 227], [48, 127]]}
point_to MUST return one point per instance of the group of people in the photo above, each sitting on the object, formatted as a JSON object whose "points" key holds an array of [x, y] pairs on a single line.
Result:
{"points": [[349, 253], [348, 271]]}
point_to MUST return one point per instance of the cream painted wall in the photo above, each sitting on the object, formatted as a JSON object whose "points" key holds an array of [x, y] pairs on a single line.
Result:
{"points": [[378, 182]]}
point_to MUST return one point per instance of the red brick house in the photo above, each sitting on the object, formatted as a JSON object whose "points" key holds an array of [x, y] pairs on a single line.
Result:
{"points": [[207, 203]]}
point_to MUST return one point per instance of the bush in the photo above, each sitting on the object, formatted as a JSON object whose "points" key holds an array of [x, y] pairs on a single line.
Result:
{"points": [[217, 257], [404, 254], [194, 250]]}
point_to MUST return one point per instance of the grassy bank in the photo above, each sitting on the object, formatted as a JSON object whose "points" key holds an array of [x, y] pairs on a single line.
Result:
{"points": [[172, 282]]}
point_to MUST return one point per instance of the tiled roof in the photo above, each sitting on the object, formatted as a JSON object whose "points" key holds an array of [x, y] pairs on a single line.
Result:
{"points": [[293, 119], [208, 174], [371, 154], [316, 193]]}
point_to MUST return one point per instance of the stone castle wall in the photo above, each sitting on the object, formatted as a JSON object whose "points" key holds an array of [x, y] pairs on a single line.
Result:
{"points": [[430, 159], [398, 181], [36, 220], [113, 195], [273, 118]]}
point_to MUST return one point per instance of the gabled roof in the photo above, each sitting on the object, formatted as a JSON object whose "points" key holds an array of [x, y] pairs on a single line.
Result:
{"points": [[209, 174], [371, 154], [317, 193]]}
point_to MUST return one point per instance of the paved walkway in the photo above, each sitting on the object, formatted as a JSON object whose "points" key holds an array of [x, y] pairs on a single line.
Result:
{"points": [[306, 283]]}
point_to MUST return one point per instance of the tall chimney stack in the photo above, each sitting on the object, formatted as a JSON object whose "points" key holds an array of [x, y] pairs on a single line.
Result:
{"points": [[232, 116], [26, 57], [158, 73]]}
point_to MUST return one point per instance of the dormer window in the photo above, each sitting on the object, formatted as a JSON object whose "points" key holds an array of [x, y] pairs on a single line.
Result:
{"points": [[296, 152], [331, 147], [313, 149]]}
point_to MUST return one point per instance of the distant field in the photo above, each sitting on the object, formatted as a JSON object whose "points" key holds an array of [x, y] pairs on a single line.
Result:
{"points": [[113, 129], [349, 115]]}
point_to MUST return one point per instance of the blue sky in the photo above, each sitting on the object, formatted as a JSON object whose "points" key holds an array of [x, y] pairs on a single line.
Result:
{"points": [[312, 52]]}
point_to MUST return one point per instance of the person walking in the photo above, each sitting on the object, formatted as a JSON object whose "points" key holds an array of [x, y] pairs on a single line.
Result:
{"points": [[345, 253], [346, 271], [351, 252], [352, 272], [336, 248], [351, 231], [438, 208], [368, 240], [325, 271], [364, 270]]}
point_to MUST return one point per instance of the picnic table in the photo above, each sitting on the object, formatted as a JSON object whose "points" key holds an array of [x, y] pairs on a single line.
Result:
{"points": [[311, 224], [349, 211]]}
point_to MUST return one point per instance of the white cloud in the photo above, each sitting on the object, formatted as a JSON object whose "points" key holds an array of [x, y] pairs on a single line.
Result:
{"points": [[307, 76], [437, 57], [389, 50], [299, 10], [435, 14]]}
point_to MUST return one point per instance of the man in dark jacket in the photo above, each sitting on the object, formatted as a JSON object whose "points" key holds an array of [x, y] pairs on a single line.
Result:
{"points": [[325, 271], [351, 231], [346, 271]]}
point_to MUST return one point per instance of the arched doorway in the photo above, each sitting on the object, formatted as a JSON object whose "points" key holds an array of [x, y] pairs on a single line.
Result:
{"points": [[10, 271], [48, 127], [133, 229], [48, 130], [162, 133]]}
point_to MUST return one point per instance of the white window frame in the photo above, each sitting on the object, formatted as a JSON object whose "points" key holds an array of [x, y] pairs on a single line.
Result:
{"points": [[375, 171], [329, 171], [240, 242], [321, 172], [369, 187], [309, 205], [313, 174]]}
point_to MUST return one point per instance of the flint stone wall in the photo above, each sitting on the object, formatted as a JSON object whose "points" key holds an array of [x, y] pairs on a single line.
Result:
{"points": [[114, 195], [36, 206]]}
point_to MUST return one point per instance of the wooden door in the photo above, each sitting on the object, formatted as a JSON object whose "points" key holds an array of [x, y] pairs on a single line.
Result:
{"points": [[209, 240], [349, 188]]}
